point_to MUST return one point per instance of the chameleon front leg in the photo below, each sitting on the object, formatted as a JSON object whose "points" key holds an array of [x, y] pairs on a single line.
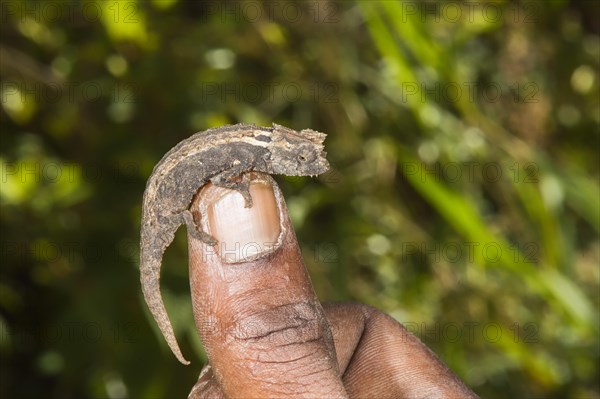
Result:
{"points": [[227, 179]]}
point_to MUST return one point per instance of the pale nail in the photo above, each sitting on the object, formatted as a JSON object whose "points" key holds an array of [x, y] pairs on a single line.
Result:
{"points": [[242, 232]]}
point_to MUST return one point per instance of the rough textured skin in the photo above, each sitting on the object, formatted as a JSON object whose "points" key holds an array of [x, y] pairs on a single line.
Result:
{"points": [[218, 155]]}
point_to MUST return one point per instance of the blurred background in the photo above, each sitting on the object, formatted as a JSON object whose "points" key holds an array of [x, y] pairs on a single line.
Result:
{"points": [[463, 198]]}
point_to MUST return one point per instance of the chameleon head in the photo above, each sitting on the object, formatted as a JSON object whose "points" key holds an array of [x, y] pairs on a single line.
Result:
{"points": [[298, 153]]}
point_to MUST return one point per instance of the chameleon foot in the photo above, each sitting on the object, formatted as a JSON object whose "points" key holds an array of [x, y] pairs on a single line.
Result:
{"points": [[195, 230]]}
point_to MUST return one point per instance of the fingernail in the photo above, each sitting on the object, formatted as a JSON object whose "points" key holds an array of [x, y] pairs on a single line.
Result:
{"points": [[244, 233]]}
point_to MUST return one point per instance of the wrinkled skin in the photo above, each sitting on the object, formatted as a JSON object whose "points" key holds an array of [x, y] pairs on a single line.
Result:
{"points": [[267, 335]]}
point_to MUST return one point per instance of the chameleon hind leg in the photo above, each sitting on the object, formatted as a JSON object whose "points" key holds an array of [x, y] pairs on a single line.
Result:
{"points": [[227, 180], [195, 230]]}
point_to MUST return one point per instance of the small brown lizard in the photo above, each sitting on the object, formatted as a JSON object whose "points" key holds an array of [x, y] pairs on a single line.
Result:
{"points": [[218, 155]]}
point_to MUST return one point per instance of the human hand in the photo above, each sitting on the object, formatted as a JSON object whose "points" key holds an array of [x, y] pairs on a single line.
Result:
{"points": [[266, 333]]}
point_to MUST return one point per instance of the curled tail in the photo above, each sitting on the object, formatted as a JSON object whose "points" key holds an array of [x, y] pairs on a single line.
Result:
{"points": [[150, 279]]}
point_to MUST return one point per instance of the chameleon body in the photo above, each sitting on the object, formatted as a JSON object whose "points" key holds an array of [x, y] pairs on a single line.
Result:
{"points": [[218, 155]]}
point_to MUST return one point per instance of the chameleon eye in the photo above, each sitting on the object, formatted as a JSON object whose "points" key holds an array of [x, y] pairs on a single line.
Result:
{"points": [[306, 155]]}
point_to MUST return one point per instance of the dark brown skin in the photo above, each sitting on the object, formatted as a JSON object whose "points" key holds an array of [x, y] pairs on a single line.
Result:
{"points": [[267, 335]]}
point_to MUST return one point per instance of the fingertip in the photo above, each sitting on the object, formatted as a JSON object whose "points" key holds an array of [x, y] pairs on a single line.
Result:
{"points": [[254, 306], [242, 233]]}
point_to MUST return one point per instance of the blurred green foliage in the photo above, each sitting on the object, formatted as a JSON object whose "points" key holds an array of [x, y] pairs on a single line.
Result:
{"points": [[463, 199]]}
